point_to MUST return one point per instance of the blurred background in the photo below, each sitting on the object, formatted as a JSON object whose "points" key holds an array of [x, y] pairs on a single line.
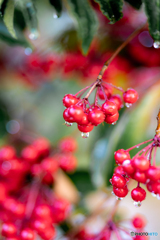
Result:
{"points": [[34, 77]]}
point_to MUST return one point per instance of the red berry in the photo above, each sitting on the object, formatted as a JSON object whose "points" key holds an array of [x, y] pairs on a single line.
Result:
{"points": [[138, 194], [42, 211], [119, 170], [153, 173], [67, 117], [30, 154], [9, 230], [27, 234], [50, 165], [121, 155], [68, 144], [120, 192], [84, 120], [117, 100], [128, 167], [139, 222], [49, 233], [3, 192], [141, 163], [39, 226], [156, 187], [67, 162], [69, 100], [60, 210], [96, 116], [76, 112], [85, 129], [108, 91], [7, 153], [130, 96], [112, 118], [42, 145], [109, 108], [140, 177], [118, 181]]}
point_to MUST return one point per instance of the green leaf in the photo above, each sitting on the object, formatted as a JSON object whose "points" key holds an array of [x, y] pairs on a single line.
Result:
{"points": [[1, 1], [112, 9], [152, 9], [135, 3], [9, 16], [57, 4], [87, 21]]}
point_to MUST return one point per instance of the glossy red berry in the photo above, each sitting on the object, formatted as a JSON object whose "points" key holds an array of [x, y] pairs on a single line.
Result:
{"points": [[49, 233], [130, 96], [84, 120], [119, 170], [69, 100], [128, 167], [120, 192], [76, 112], [7, 153], [138, 194], [109, 108], [112, 118], [138, 222], [67, 117], [117, 100], [118, 181], [60, 210], [107, 90], [27, 234], [141, 163], [153, 173], [9, 230], [50, 165], [121, 155], [85, 129], [140, 177], [30, 154], [42, 145], [96, 116], [68, 144], [42, 211], [39, 226]]}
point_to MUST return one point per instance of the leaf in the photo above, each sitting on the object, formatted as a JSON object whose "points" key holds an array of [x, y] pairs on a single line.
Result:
{"points": [[57, 4], [1, 1], [152, 9], [9, 16], [87, 21], [135, 3], [112, 9]]}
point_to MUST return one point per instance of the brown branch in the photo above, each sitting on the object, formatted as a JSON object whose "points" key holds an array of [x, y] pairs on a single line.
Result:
{"points": [[106, 64], [158, 125]]}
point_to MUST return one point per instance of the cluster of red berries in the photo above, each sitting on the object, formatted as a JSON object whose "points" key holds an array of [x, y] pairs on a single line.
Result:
{"points": [[139, 168], [113, 229], [88, 115], [28, 205]]}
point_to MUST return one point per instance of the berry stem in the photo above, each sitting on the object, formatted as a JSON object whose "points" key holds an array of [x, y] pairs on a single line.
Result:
{"points": [[158, 125], [106, 64], [129, 149], [154, 156], [83, 90], [118, 88], [114, 210], [144, 149], [92, 88], [102, 88]]}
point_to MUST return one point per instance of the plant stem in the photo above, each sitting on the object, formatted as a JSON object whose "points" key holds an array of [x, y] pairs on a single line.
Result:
{"points": [[129, 149], [154, 157], [92, 88], [158, 125], [106, 64]]}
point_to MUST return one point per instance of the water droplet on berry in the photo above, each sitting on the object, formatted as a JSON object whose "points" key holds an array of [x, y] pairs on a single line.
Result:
{"points": [[113, 193], [85, 135], [137, 204], [153, 194], [110, 180], [28, 51], [34, 34], [128, 105], [158, 196], [137, 147], [68, 124], [114, 123], [55, 15], [156, 44], [119, 198]]}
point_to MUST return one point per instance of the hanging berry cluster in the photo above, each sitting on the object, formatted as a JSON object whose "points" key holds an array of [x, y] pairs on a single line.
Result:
{"points": [[142, 168], [28, 205], [88, 115]]}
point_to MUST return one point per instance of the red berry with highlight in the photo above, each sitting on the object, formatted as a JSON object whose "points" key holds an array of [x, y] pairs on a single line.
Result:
{"points": [[120, 192], [118, 181], [138, 194], [69, 100], [9, 230], [96, 116], [138, 222], [85, 129], [109, 108], [121, 155], [112, 118], [130, 96]]}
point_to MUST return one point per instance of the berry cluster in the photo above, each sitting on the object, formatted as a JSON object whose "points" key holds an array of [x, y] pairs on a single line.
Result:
{"points": [[140, 168], [116, 230], [88, 115], [28, 205]]}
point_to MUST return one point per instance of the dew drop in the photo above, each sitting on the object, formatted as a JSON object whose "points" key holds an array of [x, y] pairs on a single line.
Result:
{"points": [[34, 34], [68, 124], [156, 44], [114, 123], [85, 135], [153, 194], [55, 15], [158, 196], [137, 204], [119, 198], [113, 193], [128, 105], [110, 180], [28, 51], [137, 147]]}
